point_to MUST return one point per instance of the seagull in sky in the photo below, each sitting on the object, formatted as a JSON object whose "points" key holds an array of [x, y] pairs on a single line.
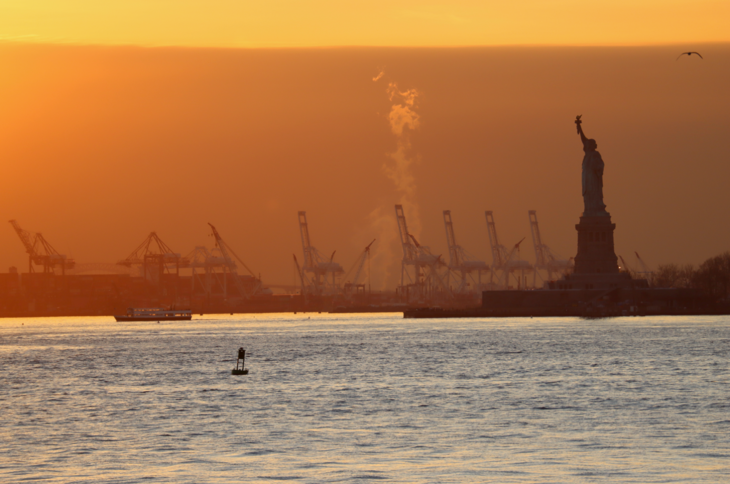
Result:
{"points": [[689, 54]]}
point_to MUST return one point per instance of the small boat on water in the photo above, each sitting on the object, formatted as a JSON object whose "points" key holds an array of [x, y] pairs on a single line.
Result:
{"points": [[155, 314]]}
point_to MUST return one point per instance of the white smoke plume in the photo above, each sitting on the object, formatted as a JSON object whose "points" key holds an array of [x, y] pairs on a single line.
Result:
{"points": [[403, 120]]}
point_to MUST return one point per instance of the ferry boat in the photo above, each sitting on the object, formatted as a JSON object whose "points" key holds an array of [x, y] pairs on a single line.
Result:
{"points": [[155, 314]]}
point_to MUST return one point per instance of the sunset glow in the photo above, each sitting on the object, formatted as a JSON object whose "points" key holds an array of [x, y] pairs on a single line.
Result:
{"points": [[191, 124], [357, 241], [324, 23]]}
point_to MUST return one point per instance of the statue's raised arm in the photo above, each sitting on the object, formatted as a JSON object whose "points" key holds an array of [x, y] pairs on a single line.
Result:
{"points": [[588, 144]]}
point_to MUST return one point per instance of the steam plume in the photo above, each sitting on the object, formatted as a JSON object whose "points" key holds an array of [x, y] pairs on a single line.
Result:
{"points": [[403, 120]]}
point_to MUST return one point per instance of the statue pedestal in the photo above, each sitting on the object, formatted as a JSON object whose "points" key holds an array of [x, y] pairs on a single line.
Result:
{"points": [[595, 245], [596, 264]]}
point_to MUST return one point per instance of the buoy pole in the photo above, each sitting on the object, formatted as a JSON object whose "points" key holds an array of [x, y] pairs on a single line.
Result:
{"points": [[242, 359]]}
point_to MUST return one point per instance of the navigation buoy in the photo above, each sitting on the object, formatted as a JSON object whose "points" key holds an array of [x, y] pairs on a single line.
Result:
{"points": [[242, 360]]}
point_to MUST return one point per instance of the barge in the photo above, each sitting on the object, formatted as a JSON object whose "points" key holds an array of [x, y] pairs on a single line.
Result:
{"points": [[155, 314]]}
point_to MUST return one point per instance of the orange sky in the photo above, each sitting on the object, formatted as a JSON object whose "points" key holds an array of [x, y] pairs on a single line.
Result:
{"points": [[281, 23], [101, 145]]}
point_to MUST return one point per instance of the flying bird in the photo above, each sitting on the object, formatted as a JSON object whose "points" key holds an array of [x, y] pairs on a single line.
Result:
{"points": [[689, 54]]}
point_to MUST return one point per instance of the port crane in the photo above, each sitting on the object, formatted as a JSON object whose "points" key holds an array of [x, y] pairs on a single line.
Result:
{"points": [[320, 273], [419, 260], [625, 266], [213, 266], [41, 252], [642, 273], [499, 252], [155, 258], [230, 264], [200, 258], [505, 262], [645, 272], [360, 264], [545, 259], [462, 265]]}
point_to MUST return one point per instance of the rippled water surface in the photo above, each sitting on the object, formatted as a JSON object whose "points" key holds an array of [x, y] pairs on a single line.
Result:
{"points": [[340, 398]]}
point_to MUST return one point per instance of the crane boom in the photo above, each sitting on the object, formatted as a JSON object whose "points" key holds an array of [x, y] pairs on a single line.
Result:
{"points": [[321, 273], [299, 271], [28, 242], [25, 237], [646, 272], [151, 245], [310, 256], [541, 259], [497, 256], [409, 251], [545, 259], [41, 252], [365, 254], [451, 240], [225, 249], [627, 268], [515, 248]]}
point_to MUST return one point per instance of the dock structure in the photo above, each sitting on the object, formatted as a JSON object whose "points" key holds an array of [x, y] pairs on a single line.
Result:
{"points": [[421, 278], [320, 275], [465, 271]]}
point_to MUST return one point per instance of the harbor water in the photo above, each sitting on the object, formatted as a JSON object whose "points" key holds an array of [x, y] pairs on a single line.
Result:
{"points": [[365, 397]]}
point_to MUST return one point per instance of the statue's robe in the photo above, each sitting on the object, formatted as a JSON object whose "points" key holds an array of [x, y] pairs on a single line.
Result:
{"points": [[593, 183]]}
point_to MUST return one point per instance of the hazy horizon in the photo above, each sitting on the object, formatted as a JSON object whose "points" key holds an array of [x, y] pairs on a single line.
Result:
{"points": [[283, 23], [103, 145]]}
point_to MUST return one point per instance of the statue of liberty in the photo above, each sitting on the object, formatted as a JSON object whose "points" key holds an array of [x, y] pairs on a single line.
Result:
{"points": [[592, 176]]}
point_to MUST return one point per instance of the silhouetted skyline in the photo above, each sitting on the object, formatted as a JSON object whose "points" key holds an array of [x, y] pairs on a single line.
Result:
{"points": [[102, 145]]}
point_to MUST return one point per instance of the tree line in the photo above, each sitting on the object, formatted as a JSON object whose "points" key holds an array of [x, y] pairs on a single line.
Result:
{"points": [[712, 276]]}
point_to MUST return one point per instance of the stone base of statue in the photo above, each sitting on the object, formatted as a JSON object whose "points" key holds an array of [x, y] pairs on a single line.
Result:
{"points": [[596, 264], [596, 254]]}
